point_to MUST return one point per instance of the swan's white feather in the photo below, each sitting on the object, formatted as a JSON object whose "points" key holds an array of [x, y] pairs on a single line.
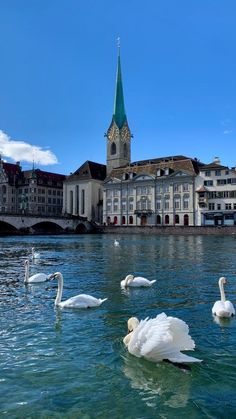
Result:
{"points": [[82, 301], [161, 338], [223, 309], [138, 281], [40, 277]]}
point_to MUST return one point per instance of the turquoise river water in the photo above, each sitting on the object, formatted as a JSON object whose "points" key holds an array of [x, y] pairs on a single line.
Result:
{"points": [[72, 363]]}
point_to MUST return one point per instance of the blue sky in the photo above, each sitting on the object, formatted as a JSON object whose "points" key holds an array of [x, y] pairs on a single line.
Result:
{"points": [[57, 79]]}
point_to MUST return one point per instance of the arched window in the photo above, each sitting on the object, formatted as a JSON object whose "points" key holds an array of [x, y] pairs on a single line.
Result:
{"points": [[186, 219], [125, 150], [123, 219], [113, 148], [108, 220], [131, 219], [115, 220], [167, 219], [176, 219], [158, 219], [4, 189]]}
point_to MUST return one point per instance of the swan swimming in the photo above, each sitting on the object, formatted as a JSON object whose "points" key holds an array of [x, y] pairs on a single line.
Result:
{"points": [[40, 277], [79, 301], [158, 339], [223, 308], [35, 255], [116, 243], [138, 281]]}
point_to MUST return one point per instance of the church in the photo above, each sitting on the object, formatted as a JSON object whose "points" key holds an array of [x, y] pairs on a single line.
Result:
{"points": [[164, 191]]}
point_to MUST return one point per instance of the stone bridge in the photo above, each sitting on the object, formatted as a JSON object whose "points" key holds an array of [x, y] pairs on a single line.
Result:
{"points": [[26, 224]]}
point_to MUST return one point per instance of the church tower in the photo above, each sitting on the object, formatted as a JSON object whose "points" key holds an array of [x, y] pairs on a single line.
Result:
{"points": [[118, 134]]}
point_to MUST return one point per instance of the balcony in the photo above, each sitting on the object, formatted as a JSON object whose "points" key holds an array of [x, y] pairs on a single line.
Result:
{"points": [[140, 212]]}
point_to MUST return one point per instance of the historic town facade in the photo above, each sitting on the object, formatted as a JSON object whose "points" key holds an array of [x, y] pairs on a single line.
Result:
{"points": [[30, 192], [174, 190]]}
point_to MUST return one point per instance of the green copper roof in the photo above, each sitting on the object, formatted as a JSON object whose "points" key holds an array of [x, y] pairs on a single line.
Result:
{"points": [[119, 115]]}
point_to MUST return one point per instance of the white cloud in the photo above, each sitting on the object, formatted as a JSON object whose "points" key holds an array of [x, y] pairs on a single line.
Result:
{"points": [[228, 131], [21, 151]]}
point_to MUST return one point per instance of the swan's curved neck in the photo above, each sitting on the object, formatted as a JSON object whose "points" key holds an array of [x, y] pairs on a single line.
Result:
{"points": [[222, 292], [128, 280], [59, 290], [26, 272]]}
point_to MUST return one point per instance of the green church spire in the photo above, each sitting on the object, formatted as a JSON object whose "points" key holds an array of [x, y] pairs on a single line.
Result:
{"points": [[119, 115]]}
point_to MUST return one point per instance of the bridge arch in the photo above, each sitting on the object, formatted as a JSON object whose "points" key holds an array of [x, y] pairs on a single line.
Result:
{"points": [[47, 227], [81, 229], [7, 228]]}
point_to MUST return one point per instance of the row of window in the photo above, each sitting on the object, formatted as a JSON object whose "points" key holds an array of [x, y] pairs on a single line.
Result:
{"points": [[212, 206], [217, 172], [147, 190], [221, 194], [218, 182], [145, 203]]}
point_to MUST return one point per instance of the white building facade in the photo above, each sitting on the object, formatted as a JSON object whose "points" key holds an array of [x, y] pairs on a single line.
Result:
{"points": [[158, 192], [83, 190], [216, 195]]}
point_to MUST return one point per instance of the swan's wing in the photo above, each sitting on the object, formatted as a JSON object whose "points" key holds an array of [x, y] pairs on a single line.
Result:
{"points": [[180, 332], [82, 301], [151, 338], [229, 306], [39, 277], [162, 338], [139, 281], [223, 309]]}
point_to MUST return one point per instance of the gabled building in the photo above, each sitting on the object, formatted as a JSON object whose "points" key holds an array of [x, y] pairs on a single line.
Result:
{"points": [[32, 192], [216, 194], [83, 191]]}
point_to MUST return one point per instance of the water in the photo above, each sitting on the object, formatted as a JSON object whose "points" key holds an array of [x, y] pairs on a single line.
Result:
{"points": [[72, 363]]}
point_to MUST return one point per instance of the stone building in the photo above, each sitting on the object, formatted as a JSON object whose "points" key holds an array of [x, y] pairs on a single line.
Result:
{"points": [[83, 191], [152, 192], [160, 191], [32, 192]]}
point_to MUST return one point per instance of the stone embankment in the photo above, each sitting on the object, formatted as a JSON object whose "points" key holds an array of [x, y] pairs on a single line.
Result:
{"points": [[170, 230]]}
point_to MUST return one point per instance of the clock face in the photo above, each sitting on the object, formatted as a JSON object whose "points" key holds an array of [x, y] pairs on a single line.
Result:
{"points": [[125, 132]]}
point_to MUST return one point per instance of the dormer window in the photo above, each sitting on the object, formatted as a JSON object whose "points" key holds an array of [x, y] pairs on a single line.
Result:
{"points": [[167, 171], [158, 172]]}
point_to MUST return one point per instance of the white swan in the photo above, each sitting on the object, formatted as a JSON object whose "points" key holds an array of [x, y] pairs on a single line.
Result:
{"points": [[35, 255], [158, 339], [223, 308], [79, 301], [138, 281], [116, 243], [40, 277]]}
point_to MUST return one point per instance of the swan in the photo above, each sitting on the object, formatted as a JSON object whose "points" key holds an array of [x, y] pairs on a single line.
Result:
{"points": [[40, 277], [138, 281], [116, 243], [223, 308], [158, 339], [35, 255], [79, 301]]}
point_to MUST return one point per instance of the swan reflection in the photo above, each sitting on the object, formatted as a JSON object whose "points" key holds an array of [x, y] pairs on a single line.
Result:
{"points": [[160, 380]]}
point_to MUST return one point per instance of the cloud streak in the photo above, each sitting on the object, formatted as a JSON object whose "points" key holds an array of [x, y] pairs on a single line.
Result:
{"points": [[22, 151]]}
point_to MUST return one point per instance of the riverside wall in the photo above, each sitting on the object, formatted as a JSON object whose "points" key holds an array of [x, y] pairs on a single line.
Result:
{"points": [[170, 230]]}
